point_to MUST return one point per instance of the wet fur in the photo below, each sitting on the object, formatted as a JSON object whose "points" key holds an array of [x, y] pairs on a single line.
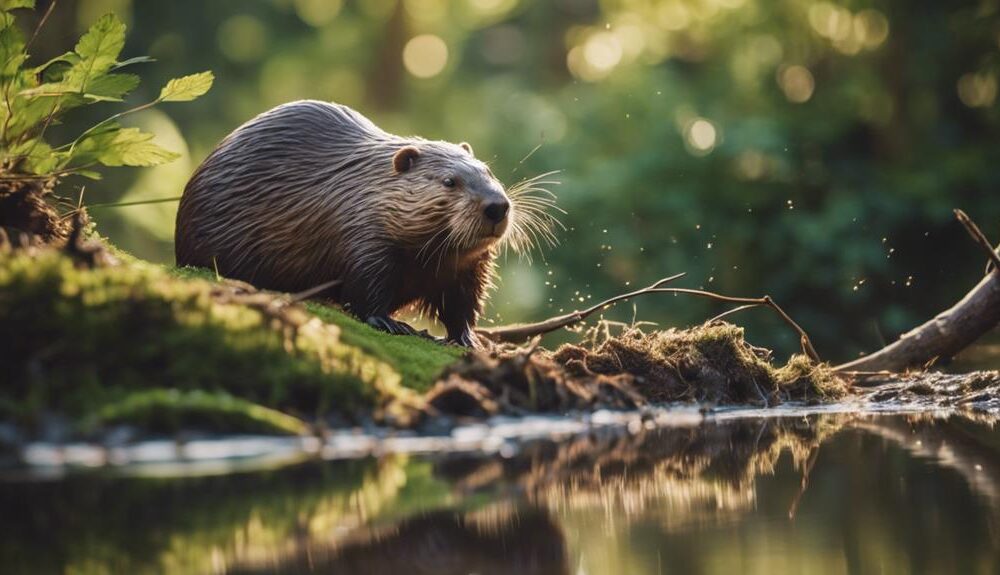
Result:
{"points": [[306, 193]]}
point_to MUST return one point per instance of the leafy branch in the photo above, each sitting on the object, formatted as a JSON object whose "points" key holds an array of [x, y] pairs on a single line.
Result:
{"points": [[34, 97]]}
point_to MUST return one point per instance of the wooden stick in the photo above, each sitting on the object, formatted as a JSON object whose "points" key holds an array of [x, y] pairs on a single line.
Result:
{"points": [[979, 237], [521, 332]]}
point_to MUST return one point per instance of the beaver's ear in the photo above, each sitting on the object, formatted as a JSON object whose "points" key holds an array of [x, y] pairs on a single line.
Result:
{"points": [[404, 158], [467, 148]]}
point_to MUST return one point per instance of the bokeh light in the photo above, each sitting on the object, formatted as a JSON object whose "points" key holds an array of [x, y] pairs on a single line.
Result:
{"points": [[425, 56], [701, 136], [978, 90], [318, 12], [734, 106], [242, 38], [797, 83]]}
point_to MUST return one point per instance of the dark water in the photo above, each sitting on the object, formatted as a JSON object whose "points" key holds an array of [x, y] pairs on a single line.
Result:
{"points": [[817, 494]]}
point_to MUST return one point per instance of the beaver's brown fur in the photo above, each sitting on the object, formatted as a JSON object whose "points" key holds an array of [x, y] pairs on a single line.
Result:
{"points": [[311, 192]]}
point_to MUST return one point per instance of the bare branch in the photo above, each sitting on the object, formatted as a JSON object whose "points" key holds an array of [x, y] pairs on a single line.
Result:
{"points": [[522, 332], [978, 237]]}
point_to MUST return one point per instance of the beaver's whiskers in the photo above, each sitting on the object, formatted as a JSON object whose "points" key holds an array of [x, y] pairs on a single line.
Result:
{"points": [[532, 221]]}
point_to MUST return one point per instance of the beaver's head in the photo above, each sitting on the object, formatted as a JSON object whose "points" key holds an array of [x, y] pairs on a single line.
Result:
{"points": [[445, 202], [454, 203]]}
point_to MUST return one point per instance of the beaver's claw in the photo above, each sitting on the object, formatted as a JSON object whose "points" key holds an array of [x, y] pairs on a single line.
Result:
{"points": [[389, 325], [467, 338]]}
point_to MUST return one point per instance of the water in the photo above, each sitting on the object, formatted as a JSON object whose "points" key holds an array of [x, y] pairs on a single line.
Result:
{"points": [[820, 493]]}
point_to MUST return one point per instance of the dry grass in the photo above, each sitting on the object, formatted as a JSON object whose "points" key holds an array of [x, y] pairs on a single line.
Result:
{"points": [[708, 363]]}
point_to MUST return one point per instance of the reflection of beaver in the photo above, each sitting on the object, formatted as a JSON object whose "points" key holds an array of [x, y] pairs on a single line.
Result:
{"points": [[311, 192]]}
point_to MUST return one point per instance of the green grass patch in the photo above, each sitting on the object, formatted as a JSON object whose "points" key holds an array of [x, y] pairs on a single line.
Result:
{"points": [[418, 360]]}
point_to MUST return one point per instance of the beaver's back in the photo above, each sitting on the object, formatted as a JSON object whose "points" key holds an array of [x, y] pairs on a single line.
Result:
{"points": [[281, 202]]}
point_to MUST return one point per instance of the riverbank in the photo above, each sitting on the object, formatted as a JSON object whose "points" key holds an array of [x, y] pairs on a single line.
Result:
{"points": [[93, 345]]}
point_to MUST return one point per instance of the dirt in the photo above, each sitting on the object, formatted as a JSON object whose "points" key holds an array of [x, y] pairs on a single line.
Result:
{"points": [[26, 216], [710, 363]]}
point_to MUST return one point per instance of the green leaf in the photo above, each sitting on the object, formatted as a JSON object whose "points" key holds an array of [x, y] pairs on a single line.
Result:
{"points": [[115, 146], [11, 46], [66, 58], [98, 50], [13, 4], [111, 87], [29, 113], [89, 174], [187, 88], [34, 157]]}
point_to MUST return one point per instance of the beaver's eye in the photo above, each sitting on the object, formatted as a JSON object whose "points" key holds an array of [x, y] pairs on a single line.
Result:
{"points": [[449, 182]]}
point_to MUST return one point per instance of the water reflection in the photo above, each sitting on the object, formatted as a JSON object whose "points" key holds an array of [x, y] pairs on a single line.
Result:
{"points": [[819, 494]]}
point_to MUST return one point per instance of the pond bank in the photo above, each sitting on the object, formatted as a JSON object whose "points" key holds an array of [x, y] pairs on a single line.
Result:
{"points": [[94, 346]]}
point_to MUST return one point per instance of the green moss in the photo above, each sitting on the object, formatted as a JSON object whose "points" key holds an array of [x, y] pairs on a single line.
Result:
{"points": [[169, 410], [190, 273], [419, 361], [76, 340], [801, 378]]}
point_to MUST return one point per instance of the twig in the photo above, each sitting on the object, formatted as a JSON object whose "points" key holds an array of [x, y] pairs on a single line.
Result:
{"points": [[527, 331], [522, 332], [979, 237], [730, 312], [807, 346], [41, 24], [135, 203], [303, 295]]}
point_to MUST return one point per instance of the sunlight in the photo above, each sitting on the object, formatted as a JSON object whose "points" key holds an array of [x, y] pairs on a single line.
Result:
{"points": [[425, 56]]}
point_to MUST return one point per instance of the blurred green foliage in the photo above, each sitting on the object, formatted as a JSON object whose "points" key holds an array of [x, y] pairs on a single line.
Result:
{"points": [[806, 149]]}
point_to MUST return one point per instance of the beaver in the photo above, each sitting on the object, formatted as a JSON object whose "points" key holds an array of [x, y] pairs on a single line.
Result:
{"points": [[311, 192]]}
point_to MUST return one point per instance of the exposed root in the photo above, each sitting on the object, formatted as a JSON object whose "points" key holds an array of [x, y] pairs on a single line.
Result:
{"points": [[517, 333], [26, 217]]}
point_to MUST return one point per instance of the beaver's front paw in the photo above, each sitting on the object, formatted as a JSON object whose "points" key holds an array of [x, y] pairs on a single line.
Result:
{"points": [[467, 338], [389, 325]]}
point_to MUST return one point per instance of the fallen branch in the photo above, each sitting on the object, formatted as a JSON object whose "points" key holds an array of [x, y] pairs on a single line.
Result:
{"points": [[950, 331], [522, 332]]}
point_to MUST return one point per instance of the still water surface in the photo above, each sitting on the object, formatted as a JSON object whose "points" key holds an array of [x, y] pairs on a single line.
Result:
{"points": [[833, 493]]}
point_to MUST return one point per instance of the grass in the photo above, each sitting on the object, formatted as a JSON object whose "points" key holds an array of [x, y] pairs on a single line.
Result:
{"points": [[417, 360], [711, 362]]}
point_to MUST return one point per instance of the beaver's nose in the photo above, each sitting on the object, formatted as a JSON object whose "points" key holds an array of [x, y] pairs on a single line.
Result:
{"points": [[497, 211]]}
